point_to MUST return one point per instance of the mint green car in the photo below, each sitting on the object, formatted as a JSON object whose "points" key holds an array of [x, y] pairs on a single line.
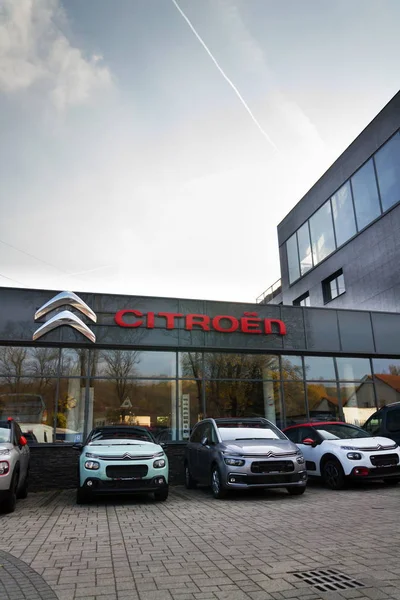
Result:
{"points": [[121, 459]]}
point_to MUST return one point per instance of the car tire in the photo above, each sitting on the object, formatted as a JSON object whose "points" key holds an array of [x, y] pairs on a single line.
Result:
{"points": [[10, 499], [218, 491], [333, 475], [83, 496], [161, 495], [296, 491], [390, 482], [190, 483], [23, 493]]}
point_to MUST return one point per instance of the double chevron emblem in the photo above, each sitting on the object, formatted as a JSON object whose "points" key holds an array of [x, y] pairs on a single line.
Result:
{"points": [[65, 317]]}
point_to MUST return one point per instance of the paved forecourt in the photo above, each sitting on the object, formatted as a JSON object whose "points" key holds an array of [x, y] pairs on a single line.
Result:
{"points": [[323, 545]]}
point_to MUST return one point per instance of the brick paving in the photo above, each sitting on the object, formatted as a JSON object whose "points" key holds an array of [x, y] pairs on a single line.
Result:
{"points": [[193, 547]]}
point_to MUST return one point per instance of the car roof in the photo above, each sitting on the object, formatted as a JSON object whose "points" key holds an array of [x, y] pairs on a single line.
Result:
{"points": [[315, 424], [127, 427], [239, 420]]}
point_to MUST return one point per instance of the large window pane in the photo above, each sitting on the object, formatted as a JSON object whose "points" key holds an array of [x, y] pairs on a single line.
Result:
{"points": [[343, 214], [387, 380], [31, 402], [18, 361], [319, 367], [151, 404], [303, 238], [358, 402], [294, 401], [323, 401], [322, 238], [70, 406], [293, 258], [222, 365], [387, 161], [365, 194], [292, 367], [353, 369], [244, 399], [75, 362], [191, 365], [135, 363]]}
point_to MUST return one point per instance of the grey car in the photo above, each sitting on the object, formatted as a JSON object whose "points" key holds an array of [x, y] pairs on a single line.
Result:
{"points": [[237, 454]]}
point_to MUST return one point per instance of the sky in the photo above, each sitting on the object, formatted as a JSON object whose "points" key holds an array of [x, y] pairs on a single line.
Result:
{"points": [[151, 147]]}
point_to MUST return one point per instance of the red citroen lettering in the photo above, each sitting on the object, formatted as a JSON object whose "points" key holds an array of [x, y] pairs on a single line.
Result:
{"points": [[234, 324], [150, 320], [250, 323], [170, 318], [268, 326], [119, 318], [201, 321]]}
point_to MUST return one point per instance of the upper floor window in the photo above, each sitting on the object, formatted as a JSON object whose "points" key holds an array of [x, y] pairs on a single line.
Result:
{"points": [[343, 214], [333, 286], [322, 237], [303, 300], [293, 258], [387, 161]]}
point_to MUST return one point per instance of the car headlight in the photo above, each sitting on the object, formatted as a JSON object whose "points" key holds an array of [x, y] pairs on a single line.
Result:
{"points": [[90, 455], [158, 454], [4, 452], [92, 465], [234, 462], [159, 463], [347, 448], [354, 456], [4, 467], [300, 460]]}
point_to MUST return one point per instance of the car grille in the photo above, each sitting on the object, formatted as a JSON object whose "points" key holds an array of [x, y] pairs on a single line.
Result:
{"points": [[378, 448], [269, 466], [126, 471], [270, 454], [270, 479], [125, 457], [385, 460], [383, 471]]}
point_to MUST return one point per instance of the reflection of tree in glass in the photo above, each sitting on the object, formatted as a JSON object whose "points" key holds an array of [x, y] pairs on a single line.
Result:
{"points": [[119, 367]]}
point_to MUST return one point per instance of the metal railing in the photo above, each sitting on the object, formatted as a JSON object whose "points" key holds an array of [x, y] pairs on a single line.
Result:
{"points": [[270, 292]]}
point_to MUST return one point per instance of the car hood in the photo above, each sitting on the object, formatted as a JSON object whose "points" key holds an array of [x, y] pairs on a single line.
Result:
{"points": [[121, 447], [6, 446], [368, 443], [260, 447]]}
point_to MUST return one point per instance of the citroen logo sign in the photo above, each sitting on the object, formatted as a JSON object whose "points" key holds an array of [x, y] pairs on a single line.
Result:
{"points": [[65, 317]]}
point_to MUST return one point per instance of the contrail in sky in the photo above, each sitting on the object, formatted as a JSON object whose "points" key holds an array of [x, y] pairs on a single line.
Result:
{"points": [[225, 76]]}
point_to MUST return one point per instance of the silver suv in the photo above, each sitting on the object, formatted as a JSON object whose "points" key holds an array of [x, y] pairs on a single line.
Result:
{"points": [[14, 465], [234, 454]]}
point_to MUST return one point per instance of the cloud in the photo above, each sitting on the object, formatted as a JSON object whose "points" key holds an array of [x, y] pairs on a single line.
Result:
{"points": [[36, 53]]}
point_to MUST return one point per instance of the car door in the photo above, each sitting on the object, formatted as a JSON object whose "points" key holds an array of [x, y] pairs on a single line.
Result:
{"points": [[392, 425], [205, 453], [374, 424], [192, 450], [310, 453], [23, 452]]}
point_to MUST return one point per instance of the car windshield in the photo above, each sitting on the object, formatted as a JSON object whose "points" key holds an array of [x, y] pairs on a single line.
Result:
{"points": [[119, 436], [249, 432], [5, 432], [341, 432]]}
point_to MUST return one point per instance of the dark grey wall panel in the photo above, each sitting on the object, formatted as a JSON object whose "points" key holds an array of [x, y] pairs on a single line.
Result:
{"points": [[356, 331], [386, 332], [321, 330]]}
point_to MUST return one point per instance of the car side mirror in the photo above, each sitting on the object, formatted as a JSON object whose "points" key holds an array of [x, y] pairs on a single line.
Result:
{"points": [[23, 441], [309, 442], [78, 446], [204, 441]]}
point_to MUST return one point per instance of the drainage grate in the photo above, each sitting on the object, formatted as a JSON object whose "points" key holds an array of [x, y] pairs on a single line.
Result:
{"points": [[328, 580]]}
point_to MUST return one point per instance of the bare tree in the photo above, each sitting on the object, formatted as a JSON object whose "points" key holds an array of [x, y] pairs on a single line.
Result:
{"points": [[119, 367]]}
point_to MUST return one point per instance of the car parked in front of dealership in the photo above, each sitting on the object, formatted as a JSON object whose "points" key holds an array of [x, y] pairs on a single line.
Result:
{"points": [[121, 459], [385, 422], [338, 452], [14, 465], [236, 454]]}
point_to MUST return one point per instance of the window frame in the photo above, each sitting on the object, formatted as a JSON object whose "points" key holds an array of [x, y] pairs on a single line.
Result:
{"points": [[326, 286]]}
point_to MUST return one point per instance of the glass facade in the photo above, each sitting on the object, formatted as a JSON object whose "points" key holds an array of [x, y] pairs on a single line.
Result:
{"points": [[371, 191], [58, 395]]}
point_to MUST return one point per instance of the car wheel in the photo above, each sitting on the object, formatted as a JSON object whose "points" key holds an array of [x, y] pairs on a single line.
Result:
{"points": [[333, 475], [83, 496], [161, 495], [23, 493], [216, 484], [296, 491], [10, 500], [190, 483], [391, 481]]}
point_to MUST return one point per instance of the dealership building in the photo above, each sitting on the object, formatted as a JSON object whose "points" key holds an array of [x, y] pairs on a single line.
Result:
{"points": [[321, 344]]}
